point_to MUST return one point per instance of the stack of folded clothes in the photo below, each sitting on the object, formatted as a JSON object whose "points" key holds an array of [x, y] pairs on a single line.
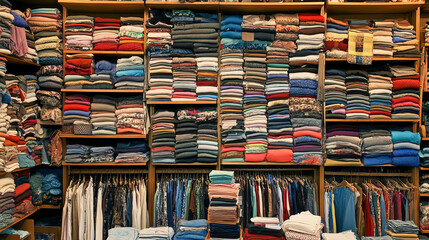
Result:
{"points": [[105, 36], [349, 235], [427, 32], [343, 145], [382, 40], [23, 198], [424, 209], [18, 46], [207, 135], [403, 230], [303, 226], [101, 154], [163, 136], [7, 194], [264, 228], [380, 93], [186, 136], [335, 93], [3, 68], [103, 118], [31, 55], [357, 94], [258, 31], [22, 233], [77, 108], [78, 68], [51, 187], [132, 115], [377, 146], [51, 101], [207, 68], [131, 34], [255, 104], [160, 233], [78, 32], [424, 157], [104, 75], [405, 43], [46, 24], [184, 79], [77, 153], [193, 229], [223, 209], [406, 96], [6, 24], [29, 120], [337, 34], [160, 62], [306, 117], [134, 151], [311, 37], [304, 81], [406, 146], [50, 82], [129, 73]]}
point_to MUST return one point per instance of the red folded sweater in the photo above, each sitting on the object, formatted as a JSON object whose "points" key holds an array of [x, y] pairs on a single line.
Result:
{"points": [[278, 95], [21, 189], [106, 46], [131, 47], [80, 62], [406, 84], [76, 107], [279, 155], [377, 112], [307, 17], [405, 99], [107, 20], [336, 44]]}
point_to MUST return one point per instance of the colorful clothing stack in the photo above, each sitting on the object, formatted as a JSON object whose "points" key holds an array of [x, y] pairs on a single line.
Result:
{"points": [[130, 73], [207, 140], [335, 93], [105, 36], [223, 209], [103, 118], [12, 147], [131, 34], [405, 43], [193, 229], [46, 24], [163, 137], [207, 68], [186, 136], [337, 34], [77, 153], [18, 39], [3, 68], [132, 115], [263, 228], [377, 146], [184, 79], [311, 36], [383, 41], [51, 101], [343, 145], [303, 226], [104, 75], [160, 62], [380, 93], [78, 32], [406, 146], [7, 194], [6, 19], [23, 197], [77, 107], [29, 122], [78, 69], [406, 93], [358, 104], [134, 151]]}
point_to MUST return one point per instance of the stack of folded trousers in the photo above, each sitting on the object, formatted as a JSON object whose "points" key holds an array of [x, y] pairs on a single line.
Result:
{"points": [[343, 145], [51, 101], [160, 62], [207, 135], [160, 233], [358, 104], [303, 226], [77, 108], [132, 115], [186, 136], [7, 194], [78, 32], [193, 229], [105, 36], [405, 43], [101, 154], [78, 69], [77, 153], [310, 41], [337, 34], [402, 230], [163, 136], [306, 117], [382, 40], [255, 104], [46, 24], [406, 146], [103, 118], [104, 75], [377, 146], [3, 68], [335, 94], [134, 151], [130, 73], [263, 228], [424, 157], [406, 95], [131, 34], [222, 212], [380, 93], [6, 19]]}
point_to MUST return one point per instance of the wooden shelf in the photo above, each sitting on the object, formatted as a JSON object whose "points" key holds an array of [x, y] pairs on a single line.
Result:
{"points": [[117, 136], [424, 194], [423, 169], [264, 7], [18, 61], [107, 164], [372, 7], [180, 102], [20, 219], [426, 44], [48, 123], [214, 6], [15, 171], [265, 164], [102, 90], [424, 231], [185, 164], [371, 120], [104, 6], [106, 53], [425, 139], [375, 59], [48, 206], [367, 174]]}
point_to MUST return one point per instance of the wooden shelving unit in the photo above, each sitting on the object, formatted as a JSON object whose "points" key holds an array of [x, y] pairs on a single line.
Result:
{"points": [[181, 102], [18, 61], [106, 53], [102, 90], [103, 6], [375, 59], [117, 136], [372, 120], [254, 7], [185, 164], [372, 7], [204, 6], [104, 164], [18, 220]]}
